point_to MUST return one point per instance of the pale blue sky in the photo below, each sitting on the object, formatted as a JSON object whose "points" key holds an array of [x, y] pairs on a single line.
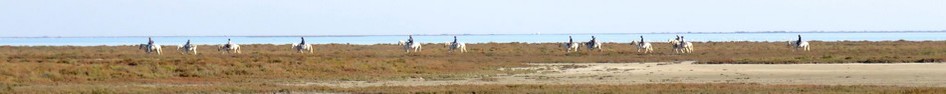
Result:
{"points": [[383, 17]]}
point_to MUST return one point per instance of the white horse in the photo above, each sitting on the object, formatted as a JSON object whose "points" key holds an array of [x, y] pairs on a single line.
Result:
{"points": [[799, 44], [457, 45], [681, 46], [302, 47], [229, 47], [187, 48], [412, 46], [687, 46], [571, 45], [594, 44], [150, 47], [645, 46]]}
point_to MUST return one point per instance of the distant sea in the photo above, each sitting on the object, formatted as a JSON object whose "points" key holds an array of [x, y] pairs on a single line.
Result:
{"points": [[528, 38]]}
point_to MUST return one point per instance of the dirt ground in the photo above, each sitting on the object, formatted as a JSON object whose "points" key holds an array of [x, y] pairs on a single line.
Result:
{"points": [[908, 74]]}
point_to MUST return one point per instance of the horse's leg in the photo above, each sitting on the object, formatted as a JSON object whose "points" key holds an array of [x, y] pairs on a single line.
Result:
{"points": [[642, 48], [463, 50], [806, 48], [691, 49]]}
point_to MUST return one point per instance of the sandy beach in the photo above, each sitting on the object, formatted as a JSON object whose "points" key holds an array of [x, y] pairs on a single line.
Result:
{"points": [[908, 74]]}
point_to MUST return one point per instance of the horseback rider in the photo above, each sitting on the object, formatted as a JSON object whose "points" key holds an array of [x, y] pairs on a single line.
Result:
{"points": [[799, 40], [570, 39], [410, 39], [642, 39], [229, 42], [303, 41], [150, 42]]}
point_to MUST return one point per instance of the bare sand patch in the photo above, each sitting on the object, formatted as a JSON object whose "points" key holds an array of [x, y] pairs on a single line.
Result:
{"points": [[908, 74]]}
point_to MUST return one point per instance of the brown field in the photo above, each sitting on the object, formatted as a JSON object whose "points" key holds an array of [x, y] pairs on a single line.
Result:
{"points": [[26, 69], [724, 88]]}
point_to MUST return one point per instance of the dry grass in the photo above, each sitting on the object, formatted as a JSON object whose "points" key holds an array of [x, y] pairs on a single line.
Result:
{"points": [[725, 88], [51, 65], [67, 65]]}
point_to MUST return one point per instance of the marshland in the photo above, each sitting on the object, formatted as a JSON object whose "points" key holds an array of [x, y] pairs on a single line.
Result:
{"points": [[487, 67], [472, 46]]}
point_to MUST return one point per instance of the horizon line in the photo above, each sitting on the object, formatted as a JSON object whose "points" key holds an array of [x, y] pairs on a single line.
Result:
{"points": [[735, 32]]}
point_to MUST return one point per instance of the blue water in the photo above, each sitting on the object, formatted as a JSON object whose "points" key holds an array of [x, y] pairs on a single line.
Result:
{"points": [[94, 41]]}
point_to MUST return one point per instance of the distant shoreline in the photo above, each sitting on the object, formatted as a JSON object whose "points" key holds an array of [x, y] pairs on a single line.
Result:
{"points": [[737, 32], [438, 43]]}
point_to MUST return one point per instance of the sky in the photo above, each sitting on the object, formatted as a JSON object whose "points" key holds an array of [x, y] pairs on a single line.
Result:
{"points": [[30, 18]]}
